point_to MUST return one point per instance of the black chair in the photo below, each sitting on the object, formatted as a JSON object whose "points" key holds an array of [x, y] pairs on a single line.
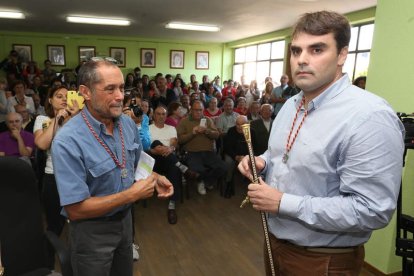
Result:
{"points": [[22, 234], [405, 223]]}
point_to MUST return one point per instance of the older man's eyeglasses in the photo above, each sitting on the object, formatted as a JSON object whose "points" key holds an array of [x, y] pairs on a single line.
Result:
{"points": [[110, 59], [14, 121]]}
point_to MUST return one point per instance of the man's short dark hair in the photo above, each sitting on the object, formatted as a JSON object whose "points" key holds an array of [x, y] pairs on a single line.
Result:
{"points": [[325, 22], [17, 82]]}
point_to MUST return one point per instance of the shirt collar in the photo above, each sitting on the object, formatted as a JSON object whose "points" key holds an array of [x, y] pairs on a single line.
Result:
{"points": [[332, 91], [98, 126]]}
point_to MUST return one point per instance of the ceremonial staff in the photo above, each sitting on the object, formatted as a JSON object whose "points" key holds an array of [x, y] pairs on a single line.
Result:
{"points": [[247, 137]]}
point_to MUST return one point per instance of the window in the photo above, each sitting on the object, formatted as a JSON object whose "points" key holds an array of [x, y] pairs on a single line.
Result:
{"points": [[256, 62], [357, 62]]}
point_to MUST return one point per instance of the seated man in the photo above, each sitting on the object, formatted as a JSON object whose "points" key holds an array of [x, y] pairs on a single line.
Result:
{"points": [[198, 134], [227, 119], [28, 122], [19, 88], [262, 128], [16, 142], [163, 143], [235, 148]]}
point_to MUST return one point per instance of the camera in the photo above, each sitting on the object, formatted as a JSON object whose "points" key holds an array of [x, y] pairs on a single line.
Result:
{"points": [[136, 110]]}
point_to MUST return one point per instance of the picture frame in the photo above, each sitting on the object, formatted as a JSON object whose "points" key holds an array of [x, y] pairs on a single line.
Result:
{"points": [[56, 55], [148, 57], [202, 60], [24, 51], [86, 53], [176, 59], [119, 54]]}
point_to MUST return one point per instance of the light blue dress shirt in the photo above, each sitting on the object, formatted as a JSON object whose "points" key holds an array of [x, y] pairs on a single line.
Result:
{"points": [[83, 168], [343, 174]]}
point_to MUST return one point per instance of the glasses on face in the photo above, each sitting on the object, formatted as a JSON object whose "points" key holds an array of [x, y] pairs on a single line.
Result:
{"points": [[13, 121]]}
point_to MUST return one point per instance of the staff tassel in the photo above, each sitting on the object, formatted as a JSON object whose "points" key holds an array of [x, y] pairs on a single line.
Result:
{"points": [[247, 137]]}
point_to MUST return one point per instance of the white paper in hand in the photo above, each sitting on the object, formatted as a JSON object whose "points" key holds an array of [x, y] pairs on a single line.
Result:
{"points": [[145, 165]]}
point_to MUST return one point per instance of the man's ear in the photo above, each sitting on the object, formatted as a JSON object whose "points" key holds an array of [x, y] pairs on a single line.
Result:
{"points": [[342, 56], [85, 92]]}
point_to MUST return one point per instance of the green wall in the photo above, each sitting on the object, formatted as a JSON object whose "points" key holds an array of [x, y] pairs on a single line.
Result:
{"points": [[355, 18], [390, 65], [391, 68], [39, 42]]}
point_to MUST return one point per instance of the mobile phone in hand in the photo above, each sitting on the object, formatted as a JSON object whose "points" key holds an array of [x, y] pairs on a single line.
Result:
{"points": [[203, 122]]}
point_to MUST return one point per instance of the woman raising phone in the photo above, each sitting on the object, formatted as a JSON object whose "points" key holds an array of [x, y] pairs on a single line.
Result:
{"points": [[58, 113]]}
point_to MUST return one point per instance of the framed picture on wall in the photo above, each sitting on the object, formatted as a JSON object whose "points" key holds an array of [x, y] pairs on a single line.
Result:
{"points": [[56, 55], [148, 57], [24, 51], [119, 54], [177, 59], [86, 53], [202, 60]]}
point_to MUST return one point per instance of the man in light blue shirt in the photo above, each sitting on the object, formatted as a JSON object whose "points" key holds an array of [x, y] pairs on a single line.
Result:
{"points": [[94, 157], [333, 166]]}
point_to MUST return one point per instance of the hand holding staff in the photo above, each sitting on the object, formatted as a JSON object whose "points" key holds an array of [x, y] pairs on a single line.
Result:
{"points": [[245, 170]]}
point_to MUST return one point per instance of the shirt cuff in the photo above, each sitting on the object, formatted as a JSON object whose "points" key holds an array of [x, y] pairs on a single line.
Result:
{"points": [[289, 205]]}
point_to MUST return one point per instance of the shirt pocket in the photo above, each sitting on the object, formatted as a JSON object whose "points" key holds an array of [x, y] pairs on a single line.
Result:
{"points": [[132, 155], [101, 168]]}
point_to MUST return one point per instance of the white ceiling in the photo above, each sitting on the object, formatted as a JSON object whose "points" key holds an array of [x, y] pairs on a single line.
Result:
{"points": [[236, 18]]}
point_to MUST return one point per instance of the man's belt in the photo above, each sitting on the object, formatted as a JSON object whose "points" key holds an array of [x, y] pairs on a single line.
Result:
{"points": [[324, 250], [115, 217]]}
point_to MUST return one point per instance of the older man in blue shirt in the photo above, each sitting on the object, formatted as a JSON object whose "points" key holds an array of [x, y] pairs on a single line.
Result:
{"points": [[333, 167], [94, 157]]}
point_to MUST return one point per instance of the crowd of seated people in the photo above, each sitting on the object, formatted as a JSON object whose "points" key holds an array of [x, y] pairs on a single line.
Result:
{"points": [[200, 113], [192, 129], [202, 136]]}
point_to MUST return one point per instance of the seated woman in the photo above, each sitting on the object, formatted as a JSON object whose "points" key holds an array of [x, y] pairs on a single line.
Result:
{"points": [[175, 112], [147, 109], [241, 107], [209, 93], [267, 93], [178, 88], [212, 111]]}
